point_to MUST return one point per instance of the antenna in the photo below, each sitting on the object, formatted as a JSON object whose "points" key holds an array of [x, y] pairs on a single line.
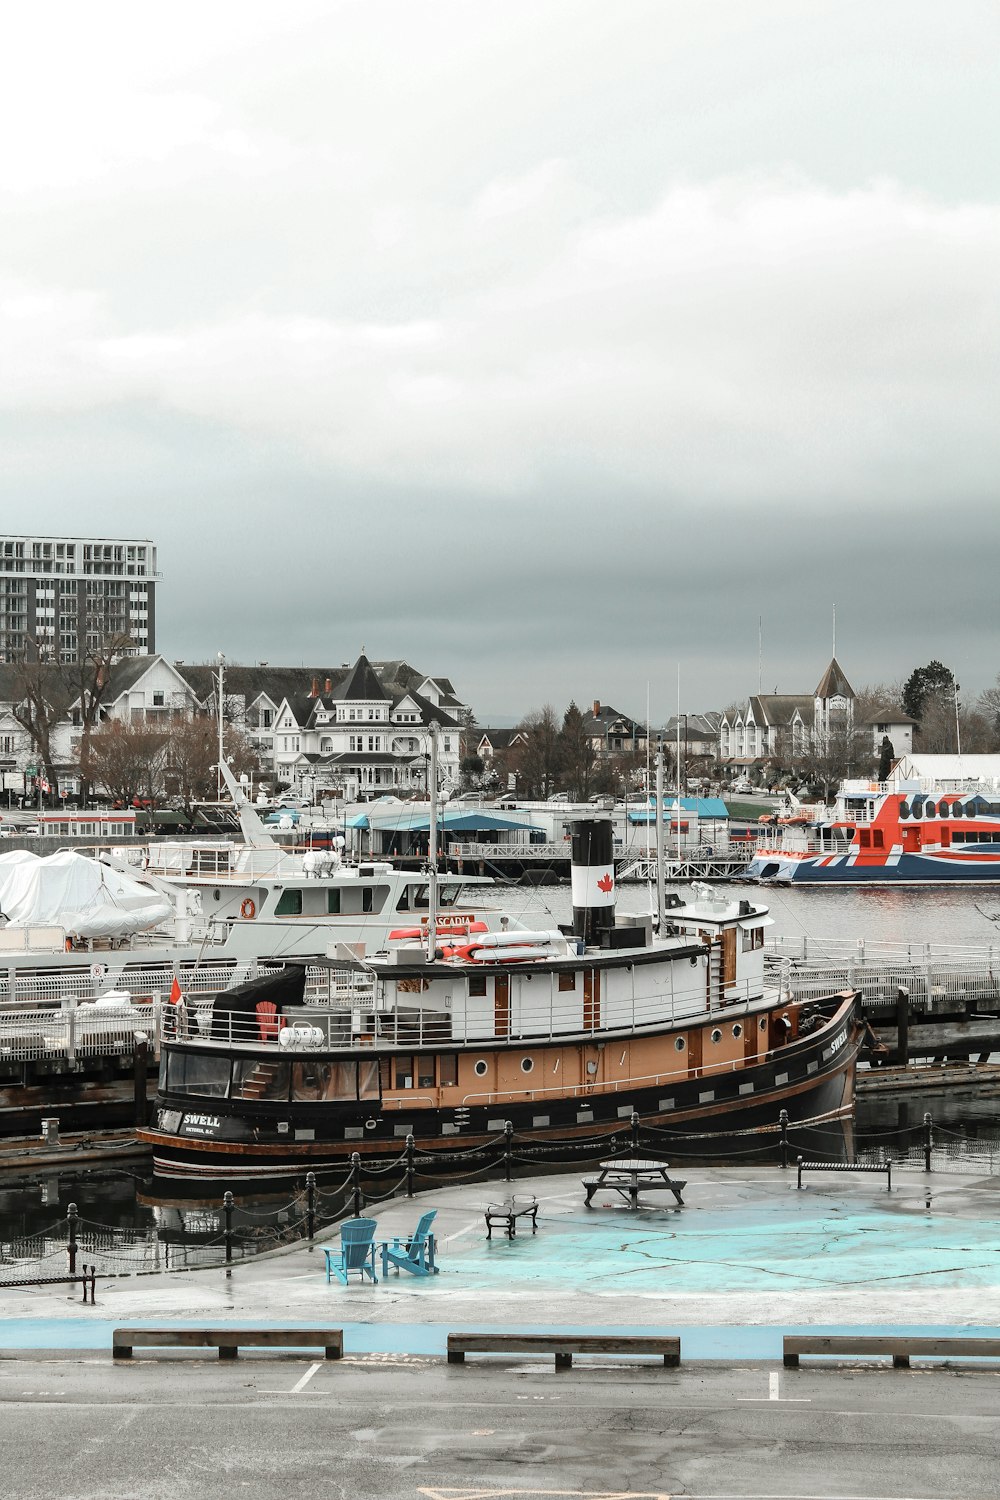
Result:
{"points": [[835, 632], [760, 650]]}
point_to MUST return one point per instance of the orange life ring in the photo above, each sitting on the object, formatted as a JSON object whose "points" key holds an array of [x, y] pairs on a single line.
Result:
{"points": [[248, 910]]}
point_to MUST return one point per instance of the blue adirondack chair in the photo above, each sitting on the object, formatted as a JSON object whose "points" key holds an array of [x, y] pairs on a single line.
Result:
{"points": [[415, 1253], [356, 1251]]}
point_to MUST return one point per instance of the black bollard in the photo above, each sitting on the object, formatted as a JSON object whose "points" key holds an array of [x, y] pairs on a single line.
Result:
{"points": [[356, 1182], [508, 1137], [310, 1206], [928, 1141], [72, 1218], [227, 1206], [635, 1130], [409, 1165], [783, 1142]]}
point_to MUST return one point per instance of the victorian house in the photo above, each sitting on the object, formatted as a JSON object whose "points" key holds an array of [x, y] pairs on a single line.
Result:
{"points": [[785, 727]]}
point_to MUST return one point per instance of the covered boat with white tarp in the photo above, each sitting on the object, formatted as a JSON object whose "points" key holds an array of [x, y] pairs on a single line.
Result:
{"points": [[83, 897]]}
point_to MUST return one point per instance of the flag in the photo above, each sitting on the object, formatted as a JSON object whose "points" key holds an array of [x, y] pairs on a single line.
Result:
{"points": [[175, 991]]}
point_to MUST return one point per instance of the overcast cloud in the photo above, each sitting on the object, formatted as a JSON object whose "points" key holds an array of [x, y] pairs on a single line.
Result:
{"points": [[550, 345]]}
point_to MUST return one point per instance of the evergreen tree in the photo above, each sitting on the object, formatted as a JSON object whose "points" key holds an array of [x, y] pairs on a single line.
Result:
{"points": [[576, 755]]}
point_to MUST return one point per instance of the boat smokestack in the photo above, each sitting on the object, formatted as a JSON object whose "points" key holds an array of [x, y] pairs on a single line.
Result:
{"points": [[593, 878]]}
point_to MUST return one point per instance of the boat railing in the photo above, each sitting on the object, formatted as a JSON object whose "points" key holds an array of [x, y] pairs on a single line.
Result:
{"points": [[87, 1031], [826, 951]]}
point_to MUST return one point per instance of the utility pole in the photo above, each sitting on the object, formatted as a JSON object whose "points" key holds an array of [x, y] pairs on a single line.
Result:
{"points": [[220, 702]]}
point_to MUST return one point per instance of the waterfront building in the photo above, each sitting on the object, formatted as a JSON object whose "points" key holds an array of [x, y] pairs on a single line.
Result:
{"points": [[64, 597]]}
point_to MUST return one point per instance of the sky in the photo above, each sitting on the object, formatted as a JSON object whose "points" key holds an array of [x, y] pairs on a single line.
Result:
{"points": [[565, 349]]}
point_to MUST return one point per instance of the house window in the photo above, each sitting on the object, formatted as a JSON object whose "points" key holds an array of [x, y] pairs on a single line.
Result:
{"points": [[157, 700]]}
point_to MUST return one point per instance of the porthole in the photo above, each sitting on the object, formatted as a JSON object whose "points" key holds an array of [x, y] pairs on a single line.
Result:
{"points": [[737, 1029], [527, 1063], [762, 1024], [481, 1069], [716, 1035], [679, 1044]]}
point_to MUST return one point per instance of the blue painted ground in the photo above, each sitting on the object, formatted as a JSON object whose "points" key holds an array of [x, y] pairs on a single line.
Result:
{"points": [[721, 1343], [790, 1244]]}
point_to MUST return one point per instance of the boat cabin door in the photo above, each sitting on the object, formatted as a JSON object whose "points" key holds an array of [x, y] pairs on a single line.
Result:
{"points": [[911, 840]]}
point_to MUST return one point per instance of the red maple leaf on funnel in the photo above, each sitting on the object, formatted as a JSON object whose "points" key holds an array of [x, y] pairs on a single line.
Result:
{"points": [[605, 884]]}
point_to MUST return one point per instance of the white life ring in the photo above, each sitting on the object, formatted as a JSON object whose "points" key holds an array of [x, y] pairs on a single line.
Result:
{"points": [[247, 910]]}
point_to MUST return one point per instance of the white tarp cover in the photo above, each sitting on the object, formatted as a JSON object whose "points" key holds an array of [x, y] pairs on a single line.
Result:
{"points": [[87, 899]]}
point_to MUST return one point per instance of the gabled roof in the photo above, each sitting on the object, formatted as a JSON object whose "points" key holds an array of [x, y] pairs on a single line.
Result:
{"points": [[780, 708], [362, 684], [502, 739], [834, 683], [602, 721], [888, 716]]}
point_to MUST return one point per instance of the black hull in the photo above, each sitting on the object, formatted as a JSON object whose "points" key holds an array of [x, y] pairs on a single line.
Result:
{"points": [[713, 1116]]}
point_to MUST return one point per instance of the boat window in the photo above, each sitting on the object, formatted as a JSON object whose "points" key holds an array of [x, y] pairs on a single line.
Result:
{"points": [[191, 1074], [878, 839], [481, 1068], [403, 904], [324, 1080], [957, 810], [449, 894], [716, 1035], [567, 981], [425, 1072], [333, 901], [368, 1079], [680, 1044], [527, 1064], [477, 984], [904, 809], [865, 839], [930, 810], [747, 938], [289, 904], [737, 1030], [265, 1078], [448, 1070], [403, 1072]]}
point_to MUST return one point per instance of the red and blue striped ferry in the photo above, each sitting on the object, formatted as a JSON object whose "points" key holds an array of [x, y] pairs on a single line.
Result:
{"points": [[902, 836]]}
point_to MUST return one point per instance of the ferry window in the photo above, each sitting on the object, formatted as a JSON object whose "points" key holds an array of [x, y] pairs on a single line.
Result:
{"points": [[865, 839], [425, 1072], [679, 1044], [260, 1079], [878, 838], [480, 1069], [527, 1064], [477, 984], [403, 904], [289, 904], [368, 1080], [957, 810], [737, 1030], [316, 1080], [747, 940], [332, 902], [716, 1035], [758, 937], [448, 894], [567, 981], [448, 1071], [367, 901], [930, 810], [206, 1076], [403, 1070], [904, 809]]}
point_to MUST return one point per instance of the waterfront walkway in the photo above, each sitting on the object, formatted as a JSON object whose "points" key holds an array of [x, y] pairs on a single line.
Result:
{"points": [[747, 1258]]}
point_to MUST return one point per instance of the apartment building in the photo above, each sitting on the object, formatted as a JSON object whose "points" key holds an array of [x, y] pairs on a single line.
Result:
{"points": [[62, 596]]}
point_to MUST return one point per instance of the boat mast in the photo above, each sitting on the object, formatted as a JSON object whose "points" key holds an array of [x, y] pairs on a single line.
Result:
{"points": [[660, 897], [219, 703], [432, 846]]}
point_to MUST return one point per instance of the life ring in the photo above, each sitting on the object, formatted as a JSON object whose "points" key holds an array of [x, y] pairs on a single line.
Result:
{"points": [[247, 910]]}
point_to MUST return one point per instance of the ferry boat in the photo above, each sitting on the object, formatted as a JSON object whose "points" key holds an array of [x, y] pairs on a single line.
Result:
{"points": [[901, 836], [445, 1036]]}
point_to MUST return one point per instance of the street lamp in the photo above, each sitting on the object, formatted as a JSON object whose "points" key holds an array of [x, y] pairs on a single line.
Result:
{"points": [[958, 726]]}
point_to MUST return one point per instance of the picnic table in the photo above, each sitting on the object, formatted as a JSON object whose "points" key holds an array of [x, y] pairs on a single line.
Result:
{"points": [[632, 1175]]}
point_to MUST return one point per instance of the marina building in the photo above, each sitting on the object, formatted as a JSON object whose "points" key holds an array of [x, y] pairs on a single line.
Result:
{"points": [[64, 596]]}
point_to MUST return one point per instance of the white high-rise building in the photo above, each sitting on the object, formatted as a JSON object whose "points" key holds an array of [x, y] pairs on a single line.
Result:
{"points": [[62, 596]]}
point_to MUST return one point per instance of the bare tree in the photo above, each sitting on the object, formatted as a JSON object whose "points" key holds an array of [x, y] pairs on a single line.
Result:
{"points": [[192, 752], [536, 761], [41, 705], [127, 760]]}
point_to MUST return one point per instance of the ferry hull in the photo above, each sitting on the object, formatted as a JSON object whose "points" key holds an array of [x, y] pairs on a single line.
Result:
{"points": [[707, 1116], [845, 869]]}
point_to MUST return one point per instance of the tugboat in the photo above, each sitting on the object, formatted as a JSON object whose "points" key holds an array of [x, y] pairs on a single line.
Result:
{"points": [[446, 1035]]}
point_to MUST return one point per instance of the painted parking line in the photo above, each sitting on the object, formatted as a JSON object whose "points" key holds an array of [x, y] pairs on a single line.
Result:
{"points": [[307, 1377]]}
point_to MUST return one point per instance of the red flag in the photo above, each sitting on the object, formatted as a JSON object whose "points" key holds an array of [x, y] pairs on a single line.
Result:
{"points": [[175, 991]]}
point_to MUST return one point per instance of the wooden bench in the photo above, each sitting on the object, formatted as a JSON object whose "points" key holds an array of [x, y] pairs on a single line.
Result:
{"points": [[508, 1212], [228, 1341], [562, 1345], [900, 1346]]}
